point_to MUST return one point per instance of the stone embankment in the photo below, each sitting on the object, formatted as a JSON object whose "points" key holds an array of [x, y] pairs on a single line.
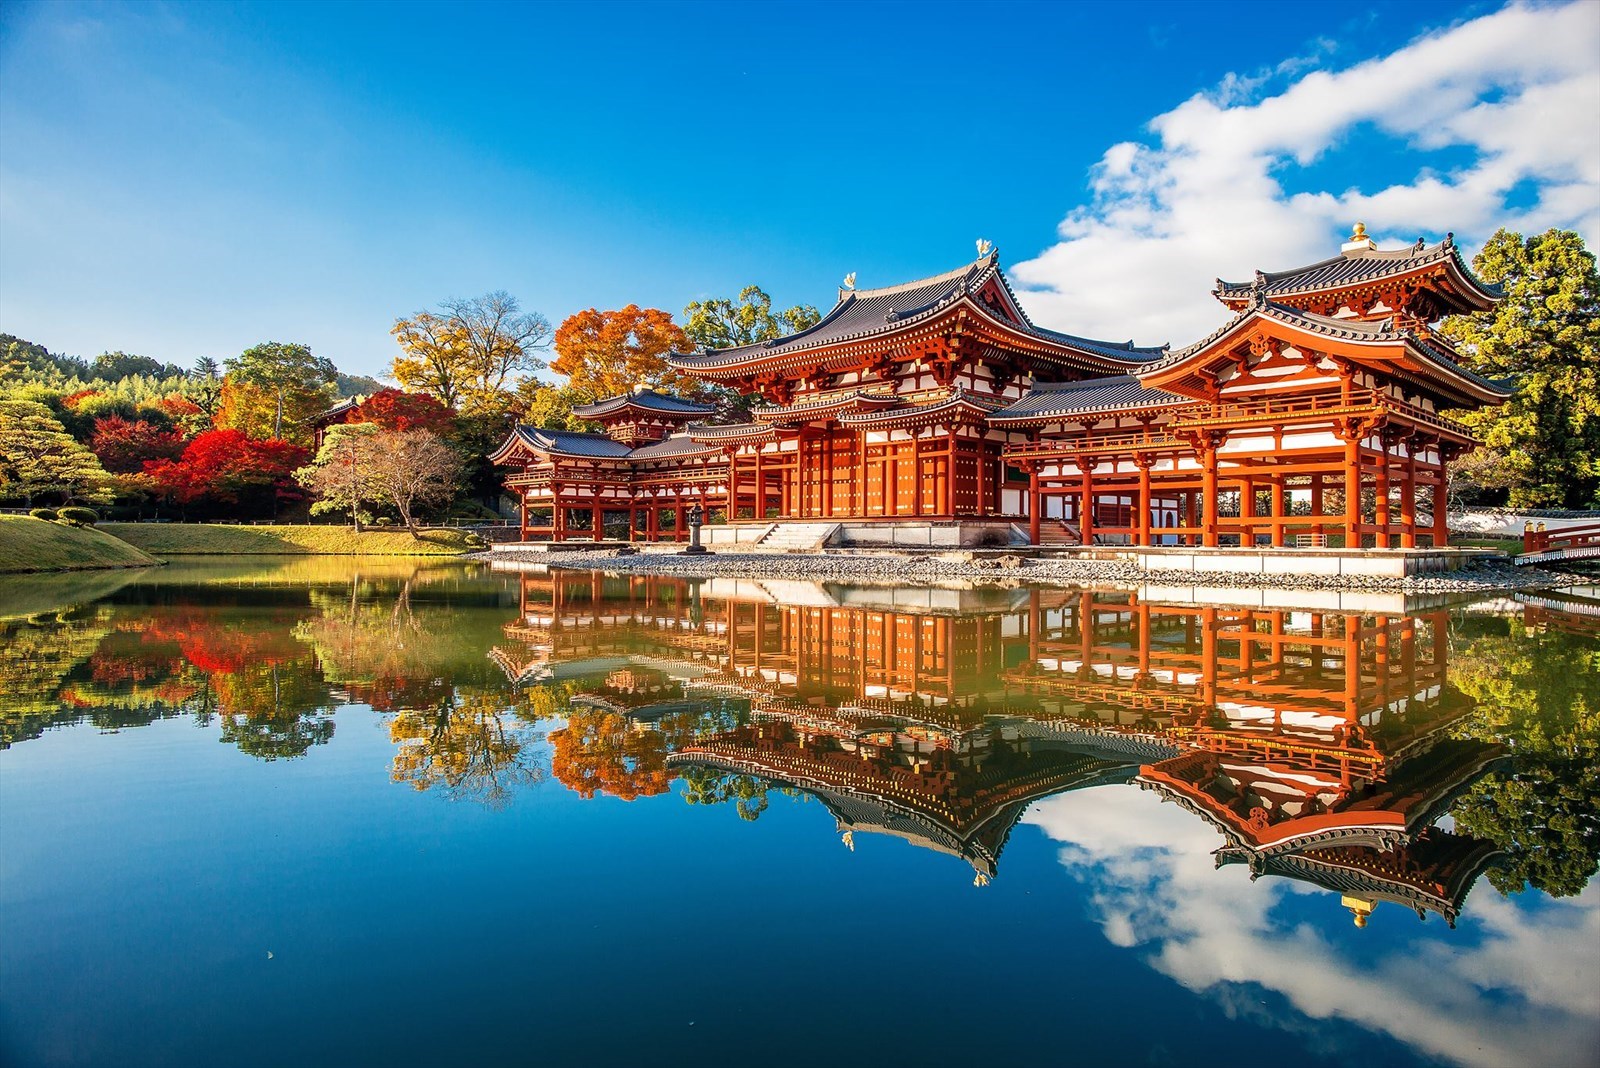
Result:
{"points": [[871, 567]]}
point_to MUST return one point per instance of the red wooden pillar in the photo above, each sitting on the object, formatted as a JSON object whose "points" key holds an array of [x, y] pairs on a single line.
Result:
{"points": [[1382, 496], [1408, 498], [1035, 503], [1208, 496], [597, 517], [1441, 506], [1352, 492], [1316, 504], [1143, 501], [1280, 510], [522, 531], [761, 486], [1086, 516], [1247, 512]]}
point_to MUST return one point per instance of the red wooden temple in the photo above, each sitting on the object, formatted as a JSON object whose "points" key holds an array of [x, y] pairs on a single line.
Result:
{"points": [[1313, 416]]}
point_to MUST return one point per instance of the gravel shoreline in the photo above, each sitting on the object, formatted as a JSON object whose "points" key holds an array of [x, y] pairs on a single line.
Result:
{"points": [[878, 568]]}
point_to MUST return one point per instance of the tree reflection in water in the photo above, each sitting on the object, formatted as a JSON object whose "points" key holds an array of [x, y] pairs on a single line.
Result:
{"points": [[1294, 733]]}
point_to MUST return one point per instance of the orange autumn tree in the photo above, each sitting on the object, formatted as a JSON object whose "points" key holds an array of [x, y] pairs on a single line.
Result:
{"points": [[604, 353], [600, 752]]}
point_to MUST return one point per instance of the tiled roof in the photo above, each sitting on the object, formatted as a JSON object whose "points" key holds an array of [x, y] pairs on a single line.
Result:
{"points": [[732, 431], [1120, 393], [647, 399], [345, 405], [673, 446], [957, 400], [861, 313], [1353, 268], [1345, 329], [573, 444]]}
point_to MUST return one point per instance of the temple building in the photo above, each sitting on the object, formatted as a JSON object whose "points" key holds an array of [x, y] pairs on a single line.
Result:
{"points": [[1313, 417]]}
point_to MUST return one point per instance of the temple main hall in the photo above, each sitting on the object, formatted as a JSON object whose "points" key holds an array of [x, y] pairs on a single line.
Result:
{"points": [[1315, 416]]}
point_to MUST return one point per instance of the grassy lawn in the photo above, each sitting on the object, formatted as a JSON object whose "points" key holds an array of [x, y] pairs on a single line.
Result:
{"points": [[187, 539], [1509, 545], [29, 544]]}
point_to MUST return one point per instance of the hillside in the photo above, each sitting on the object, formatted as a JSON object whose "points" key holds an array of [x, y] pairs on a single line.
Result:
{"points": [[28, 544]]}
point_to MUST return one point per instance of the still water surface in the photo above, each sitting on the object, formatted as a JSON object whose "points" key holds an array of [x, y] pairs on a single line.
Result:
{"points": [[340, 812]]}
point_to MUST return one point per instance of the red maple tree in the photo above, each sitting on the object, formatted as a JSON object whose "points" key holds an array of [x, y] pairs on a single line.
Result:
{"points": [[229, 467], [395, 409], [125, 445]]}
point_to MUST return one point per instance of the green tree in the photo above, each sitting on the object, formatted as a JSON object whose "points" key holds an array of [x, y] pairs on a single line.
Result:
{"points": [[207, 391], [300, 384], [722, 323], [38, 456], [549, 407], [341, 475], [1538, 693], [1546, 336]]}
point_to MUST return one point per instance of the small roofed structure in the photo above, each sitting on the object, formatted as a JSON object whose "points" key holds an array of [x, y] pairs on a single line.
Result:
{"points": [[642, 415], [1419, 283]]}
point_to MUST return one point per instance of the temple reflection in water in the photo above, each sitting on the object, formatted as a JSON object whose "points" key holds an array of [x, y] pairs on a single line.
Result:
{"points": [[1315, 740]]}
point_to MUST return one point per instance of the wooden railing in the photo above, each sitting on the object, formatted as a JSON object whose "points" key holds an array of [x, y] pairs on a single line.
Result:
{"points": [[1536, 539]]}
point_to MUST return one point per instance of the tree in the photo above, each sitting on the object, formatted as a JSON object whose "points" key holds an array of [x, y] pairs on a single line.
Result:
{"points": [[549, 407], [412, 470], [299, 383], [341, 474], [207, 375], [469, 353], [722, 323], [607, 353], [1546, 335], [228, 467], [470, 743], [38, 456], [394, 409], [1539, 694], [114, 365], [123, 445]]}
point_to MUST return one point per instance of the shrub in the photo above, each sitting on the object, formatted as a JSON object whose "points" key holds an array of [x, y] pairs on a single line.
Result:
{"points": [[79, 517], [383, 521], [42, 513]]}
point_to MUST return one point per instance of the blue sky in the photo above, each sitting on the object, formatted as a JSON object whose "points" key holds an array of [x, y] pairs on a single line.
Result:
{"points": [[181, 180]]}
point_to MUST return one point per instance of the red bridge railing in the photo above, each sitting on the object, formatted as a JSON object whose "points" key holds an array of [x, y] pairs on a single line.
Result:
{"points": [[1536, 539]]}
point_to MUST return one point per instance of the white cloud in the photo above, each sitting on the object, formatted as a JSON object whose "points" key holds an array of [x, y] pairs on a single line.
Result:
{"points": [[1519, 89], [1513, 986]]}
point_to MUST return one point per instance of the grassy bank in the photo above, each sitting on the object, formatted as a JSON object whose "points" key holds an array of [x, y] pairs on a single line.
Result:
{"points": [[28, 544], [189, 539]]}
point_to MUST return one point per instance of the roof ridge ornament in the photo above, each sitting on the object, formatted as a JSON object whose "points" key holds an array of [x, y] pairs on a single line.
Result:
{"points": [[1359, 241], [1258, 291], [985, 248]]}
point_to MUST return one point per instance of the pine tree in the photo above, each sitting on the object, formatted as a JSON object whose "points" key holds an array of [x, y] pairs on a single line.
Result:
{"points": [[38, 456], [1545, 336]]}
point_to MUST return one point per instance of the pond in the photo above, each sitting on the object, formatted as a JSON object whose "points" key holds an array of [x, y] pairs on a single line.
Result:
{"points": [[327, 811]]}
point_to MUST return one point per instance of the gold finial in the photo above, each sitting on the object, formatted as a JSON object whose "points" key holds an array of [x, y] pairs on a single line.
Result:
{"points": [[850, 280], [985, 246], [1360, 908], [1360, 240]]}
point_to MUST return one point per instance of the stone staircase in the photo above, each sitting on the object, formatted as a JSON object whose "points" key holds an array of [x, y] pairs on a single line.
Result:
{"points": [[797, 537], [1059, 532]]}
